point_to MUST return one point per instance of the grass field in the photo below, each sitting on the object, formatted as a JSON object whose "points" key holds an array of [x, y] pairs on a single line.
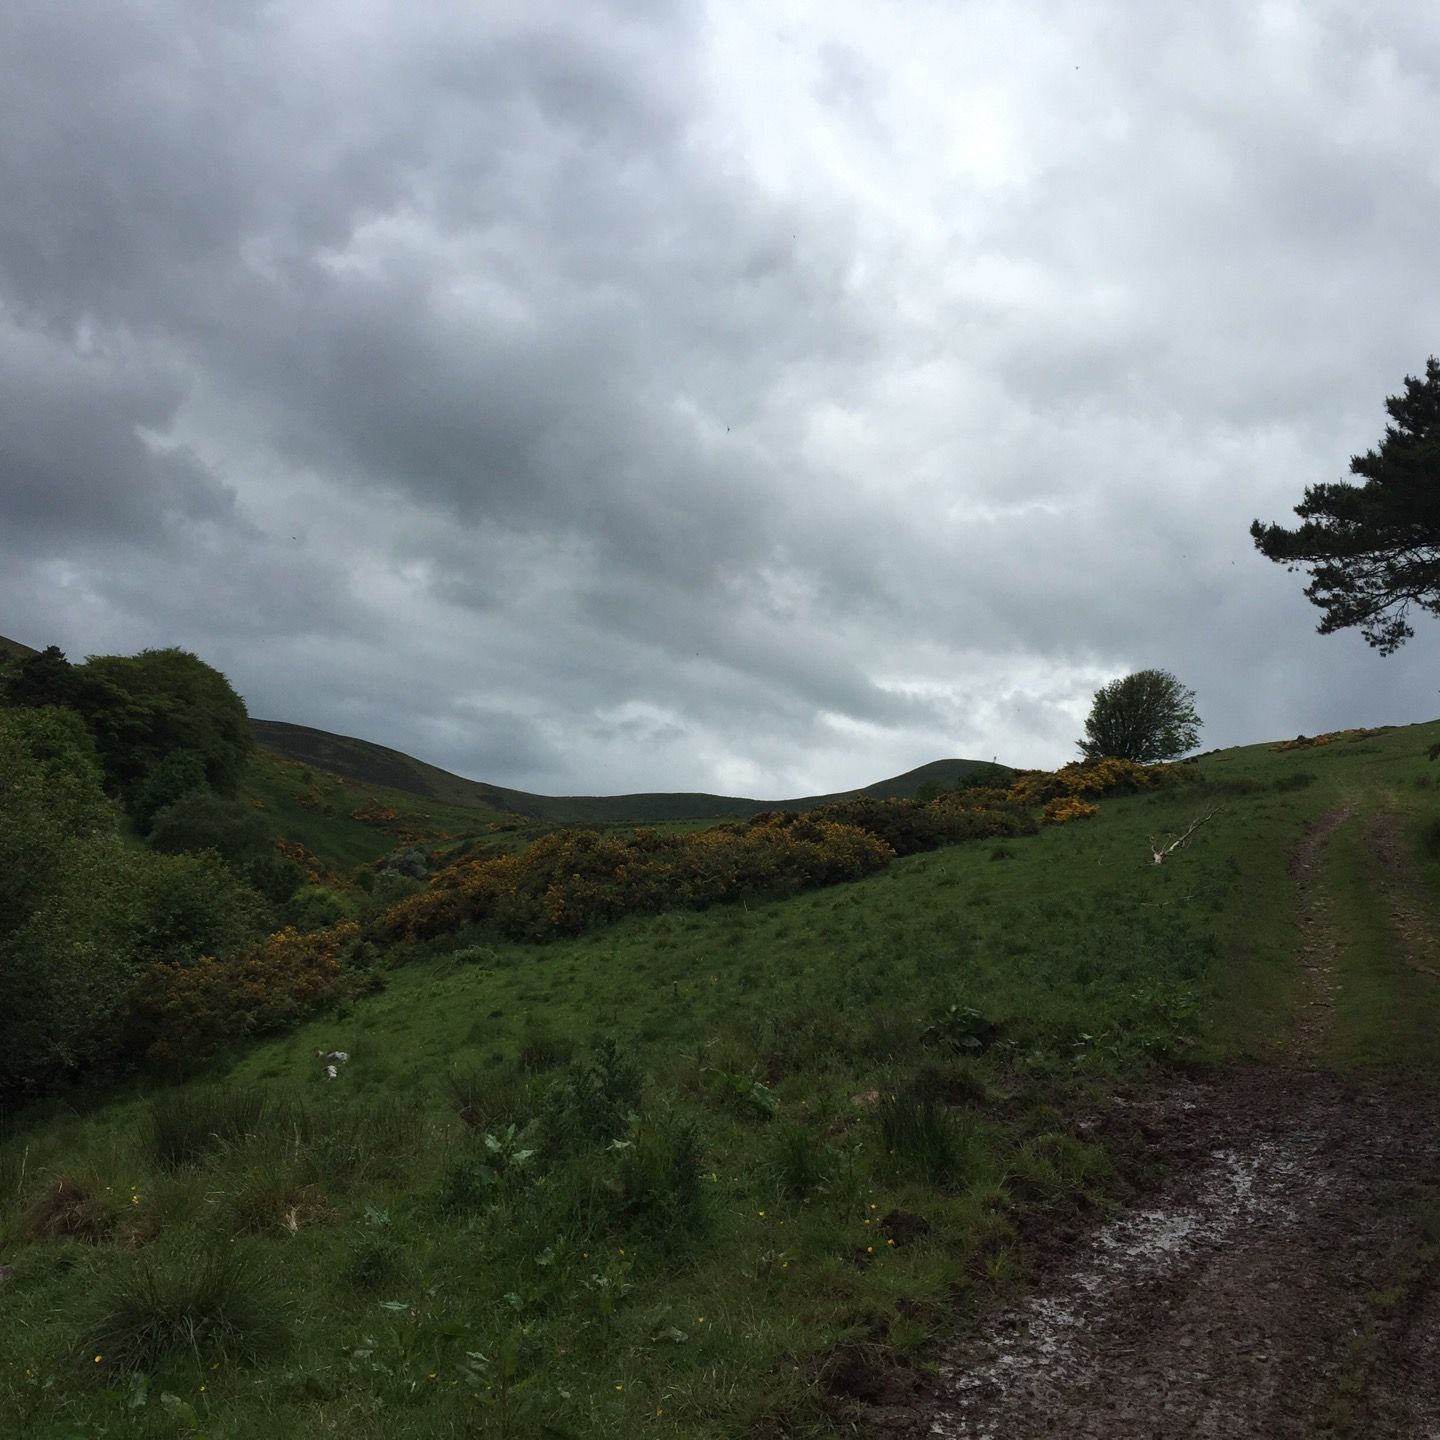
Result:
{"points": [[673, 1177]]}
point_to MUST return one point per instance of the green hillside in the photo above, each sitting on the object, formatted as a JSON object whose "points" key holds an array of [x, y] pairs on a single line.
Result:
{"points": [[14, 650], [717, 1174], [377, 765]]}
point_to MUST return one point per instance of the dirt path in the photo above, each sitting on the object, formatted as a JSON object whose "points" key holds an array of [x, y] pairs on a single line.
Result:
{"points": [[1318, 942], [1412, 922], [1281, 1283]]}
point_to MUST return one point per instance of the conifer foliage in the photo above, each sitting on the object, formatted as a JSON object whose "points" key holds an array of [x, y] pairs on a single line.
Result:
{"points": [[1373, 550]]}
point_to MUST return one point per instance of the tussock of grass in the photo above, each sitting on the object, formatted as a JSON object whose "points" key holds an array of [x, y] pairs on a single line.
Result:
{"points": [[197, 1303], [185, 1126]]}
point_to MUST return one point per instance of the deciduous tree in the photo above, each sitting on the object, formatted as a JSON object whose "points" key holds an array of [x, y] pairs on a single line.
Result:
{"points": [[1148, 717]]}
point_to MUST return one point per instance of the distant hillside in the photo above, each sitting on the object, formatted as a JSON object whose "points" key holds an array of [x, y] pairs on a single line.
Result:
{"points": [[377, 765], [14, 649]]}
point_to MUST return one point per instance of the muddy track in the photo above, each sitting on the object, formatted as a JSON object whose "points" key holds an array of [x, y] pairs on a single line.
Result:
{"points": [[1280, 1283]]}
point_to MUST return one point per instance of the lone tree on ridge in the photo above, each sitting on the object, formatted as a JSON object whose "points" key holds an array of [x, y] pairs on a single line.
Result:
{"points": [[1373, 550], [1148, 716]]}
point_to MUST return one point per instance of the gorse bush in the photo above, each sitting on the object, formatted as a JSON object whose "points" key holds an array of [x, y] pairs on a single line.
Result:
{"points": [[571, 880], [185, 1013], [1065, 808]]}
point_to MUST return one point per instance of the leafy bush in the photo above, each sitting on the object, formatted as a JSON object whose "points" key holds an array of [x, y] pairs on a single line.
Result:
{"points": [[504, 1165], [316, 907], [143, 708], [961, 1028]]}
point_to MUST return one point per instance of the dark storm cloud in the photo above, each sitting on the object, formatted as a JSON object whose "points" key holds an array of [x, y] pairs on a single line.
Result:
{"points": [[615, 396]]}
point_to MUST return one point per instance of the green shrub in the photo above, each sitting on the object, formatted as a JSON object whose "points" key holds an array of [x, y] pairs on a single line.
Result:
{"points": [[591, 1104], [315, 907]]}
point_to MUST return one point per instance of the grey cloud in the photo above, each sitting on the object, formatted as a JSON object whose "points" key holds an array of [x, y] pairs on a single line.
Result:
{"points": [[608, 454]]}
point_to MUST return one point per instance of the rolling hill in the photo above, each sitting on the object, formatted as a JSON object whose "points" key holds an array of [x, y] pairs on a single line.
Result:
{"points": [[365, 761]]}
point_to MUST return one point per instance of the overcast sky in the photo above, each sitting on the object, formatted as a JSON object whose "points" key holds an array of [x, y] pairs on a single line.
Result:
{"points": [[759, 396]]}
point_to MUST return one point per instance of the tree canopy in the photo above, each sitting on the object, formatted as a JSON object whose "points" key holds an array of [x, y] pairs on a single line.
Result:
{"points": [[1373, 550], [1147, 717], [163, 720]]}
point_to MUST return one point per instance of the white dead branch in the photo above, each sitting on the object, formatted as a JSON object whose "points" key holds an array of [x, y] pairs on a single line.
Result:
{"points": [[1159, 854]]}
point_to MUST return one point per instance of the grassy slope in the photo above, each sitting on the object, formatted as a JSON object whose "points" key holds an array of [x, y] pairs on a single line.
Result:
{"points": [[317, 809], [362, 760], [1097, 964], [13, 649]]}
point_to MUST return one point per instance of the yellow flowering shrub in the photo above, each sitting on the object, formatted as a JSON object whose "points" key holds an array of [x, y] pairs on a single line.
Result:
{"points": [[1065, 808], [570, 880], [186, 1012], [1309, 742]]}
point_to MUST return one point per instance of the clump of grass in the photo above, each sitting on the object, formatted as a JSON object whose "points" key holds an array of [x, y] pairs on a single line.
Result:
{"points": [[264, 1201], [155, 1308], [542, 1049], [1054, 1163], [185, 1126], [660, 1181], [360, 1143], [954, 1080], [922, 1136], [1300, 780], [802, 1161], [487, 1100], [889, 1033], [373, 1261], [72, 1207]]}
